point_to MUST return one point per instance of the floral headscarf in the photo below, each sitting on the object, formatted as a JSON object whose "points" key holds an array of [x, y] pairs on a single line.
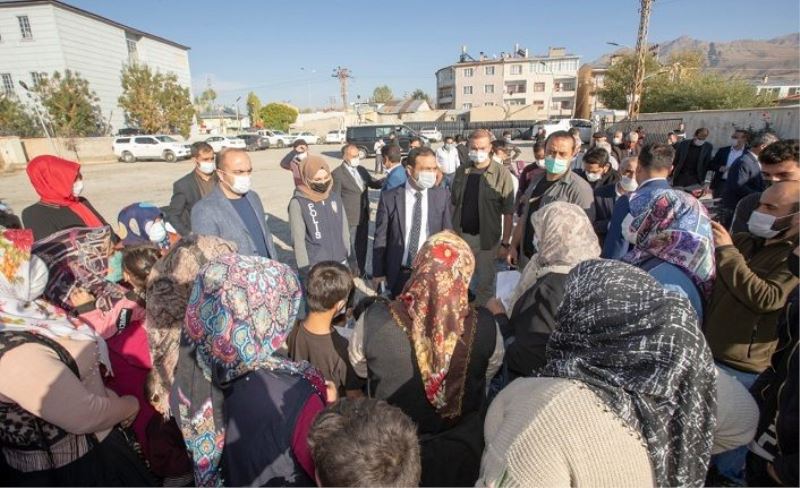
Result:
{"points": [[564, 238], [168, 288], [23, 278], [434, 311], [674, 226], [240, 311], [640, 349]]}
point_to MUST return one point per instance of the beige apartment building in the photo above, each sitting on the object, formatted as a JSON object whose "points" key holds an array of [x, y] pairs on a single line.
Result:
{"points": [[548, 83]]}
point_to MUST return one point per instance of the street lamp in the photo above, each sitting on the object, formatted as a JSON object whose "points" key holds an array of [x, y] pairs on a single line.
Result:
{"points": [[39, 115], [552, 87]]}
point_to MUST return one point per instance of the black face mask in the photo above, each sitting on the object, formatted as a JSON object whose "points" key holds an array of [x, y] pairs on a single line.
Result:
{"points": [[794, 264], [320, 187]]}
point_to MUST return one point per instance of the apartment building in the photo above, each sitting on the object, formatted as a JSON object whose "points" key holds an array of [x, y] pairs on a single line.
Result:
{"points": [[548, 82]]}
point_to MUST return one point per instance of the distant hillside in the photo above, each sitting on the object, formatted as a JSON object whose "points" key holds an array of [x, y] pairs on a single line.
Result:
{"points": [[779, 58]]}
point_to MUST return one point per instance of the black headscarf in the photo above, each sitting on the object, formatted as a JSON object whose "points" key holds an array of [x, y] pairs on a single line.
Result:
{"points": [[639, 348]]}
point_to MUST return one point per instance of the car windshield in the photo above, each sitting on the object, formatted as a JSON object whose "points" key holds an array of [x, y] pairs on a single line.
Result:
{"points": [[165, 139]]}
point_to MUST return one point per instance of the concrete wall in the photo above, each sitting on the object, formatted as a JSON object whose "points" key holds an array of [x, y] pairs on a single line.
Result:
{"points": [[782, 120], [84, 150], [11, 153]]}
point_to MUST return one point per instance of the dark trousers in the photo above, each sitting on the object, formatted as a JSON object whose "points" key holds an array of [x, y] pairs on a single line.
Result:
{"points": [[756, 471], [359, 237], [402, 278]]}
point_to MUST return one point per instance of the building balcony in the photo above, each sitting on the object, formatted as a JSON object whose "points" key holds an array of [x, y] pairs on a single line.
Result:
{"points": [[514, 94], [447, 99], [564, 94]]}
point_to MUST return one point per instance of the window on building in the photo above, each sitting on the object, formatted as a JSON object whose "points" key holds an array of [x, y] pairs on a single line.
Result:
{"points": [[133, 52], [489, 70], [468, 90], [488, 88], [538, 87], [489, 104], [466, 106], [8, 84], [794, 90], [25, 27], [515, 87], [566, 104], [517, 101], [538, 104], [516, 69], [468, 72], [38, 77]]}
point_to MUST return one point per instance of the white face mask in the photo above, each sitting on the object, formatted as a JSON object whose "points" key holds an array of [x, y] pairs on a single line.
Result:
{"points": [[617, 141], [241, 184], [760, 224], [497, 159], [426, 179], [628, 184], [77, 188], [593, 177], [479, 157], [301, 156], [157, 232], [355, 162], [539, 163], [629, 235], [207, 167], [698, 142]]}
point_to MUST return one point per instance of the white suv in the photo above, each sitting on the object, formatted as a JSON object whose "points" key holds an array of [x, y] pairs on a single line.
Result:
{"points": [[336, 136], [432, 134], [276, 138], [218, 143], [160, 147]]}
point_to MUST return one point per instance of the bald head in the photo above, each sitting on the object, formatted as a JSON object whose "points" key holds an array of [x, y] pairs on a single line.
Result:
{"points": [[782, 201], [227, 157]]}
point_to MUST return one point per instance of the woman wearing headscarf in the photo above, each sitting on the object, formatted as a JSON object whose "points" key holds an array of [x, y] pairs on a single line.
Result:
{"points": [[431, 353], [245, 411], [627, 397], [57, 419], [671, 237], [143, 223], [563, 238], [316, 216], [59, 184]]}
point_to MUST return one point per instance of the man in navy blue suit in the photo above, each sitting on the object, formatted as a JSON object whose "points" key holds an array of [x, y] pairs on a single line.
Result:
{"points": [[407, 216], [395, 173], [655, 164]]}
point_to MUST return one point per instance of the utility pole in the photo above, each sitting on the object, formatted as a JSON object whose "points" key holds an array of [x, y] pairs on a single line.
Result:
{"points": [[343, 74], [641, 53]]}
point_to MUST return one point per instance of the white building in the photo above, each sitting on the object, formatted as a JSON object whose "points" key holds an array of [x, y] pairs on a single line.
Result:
{"points": [[38, 37], [549, 83]]}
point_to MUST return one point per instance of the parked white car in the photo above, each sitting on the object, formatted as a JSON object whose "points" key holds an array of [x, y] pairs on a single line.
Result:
{"points": [[276, 138], [306, 136], [218, 143], [336, 136], [159, 147], [432, 134], [584, 126]]}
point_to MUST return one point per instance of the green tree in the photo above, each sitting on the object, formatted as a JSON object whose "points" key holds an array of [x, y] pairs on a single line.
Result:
{"points": [[205, 101], [278, 116], [678, 85], [254, 109], [15, 120], [73, 108], [382, 94], [419, 94], [155, 102]]}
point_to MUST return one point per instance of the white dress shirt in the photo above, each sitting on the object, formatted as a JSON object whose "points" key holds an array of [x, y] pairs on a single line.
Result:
{"points": [[448, 160], [356, 176], [411, 198], [732, 157]]}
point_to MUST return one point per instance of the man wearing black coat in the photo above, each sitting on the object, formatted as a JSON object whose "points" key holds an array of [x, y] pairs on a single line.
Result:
{"points": [[352, 182], [191, 188], [606, 196], [692, 160], [725, 157]]}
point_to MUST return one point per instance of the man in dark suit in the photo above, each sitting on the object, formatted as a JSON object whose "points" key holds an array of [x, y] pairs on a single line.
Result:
{"points": [[692, 160], [407, 216], [655, 163], [191, 188], [725, 157], [744, 177], [606, 196], [352, 183], [463, 150], [232, 211]]}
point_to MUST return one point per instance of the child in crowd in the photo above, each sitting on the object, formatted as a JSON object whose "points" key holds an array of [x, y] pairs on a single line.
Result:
{"points": [[364, 442], [314, 339]]}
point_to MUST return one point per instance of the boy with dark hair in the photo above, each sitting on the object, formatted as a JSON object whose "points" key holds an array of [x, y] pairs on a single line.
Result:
{"points": [[365, 442], [314, 339]]}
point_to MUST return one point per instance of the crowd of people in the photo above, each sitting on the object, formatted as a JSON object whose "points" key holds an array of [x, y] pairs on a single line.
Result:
{"points": [[649, 336]]}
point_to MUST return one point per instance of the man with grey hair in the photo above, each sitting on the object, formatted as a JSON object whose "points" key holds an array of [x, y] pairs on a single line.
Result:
{"points": [[744, 176]]}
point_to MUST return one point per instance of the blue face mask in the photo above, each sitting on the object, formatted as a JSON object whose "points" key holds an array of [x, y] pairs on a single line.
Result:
{"points": [[556, 166], [115, 268]]}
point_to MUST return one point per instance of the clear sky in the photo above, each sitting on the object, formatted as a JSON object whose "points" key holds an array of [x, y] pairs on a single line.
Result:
{"points": [[244, 45]]}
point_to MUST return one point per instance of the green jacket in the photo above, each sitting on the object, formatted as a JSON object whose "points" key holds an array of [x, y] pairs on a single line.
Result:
{"points": [[495, 197], [752, 285]]}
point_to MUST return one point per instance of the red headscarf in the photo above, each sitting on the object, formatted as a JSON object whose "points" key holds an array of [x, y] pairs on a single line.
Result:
{"points": [[52, 178]]}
